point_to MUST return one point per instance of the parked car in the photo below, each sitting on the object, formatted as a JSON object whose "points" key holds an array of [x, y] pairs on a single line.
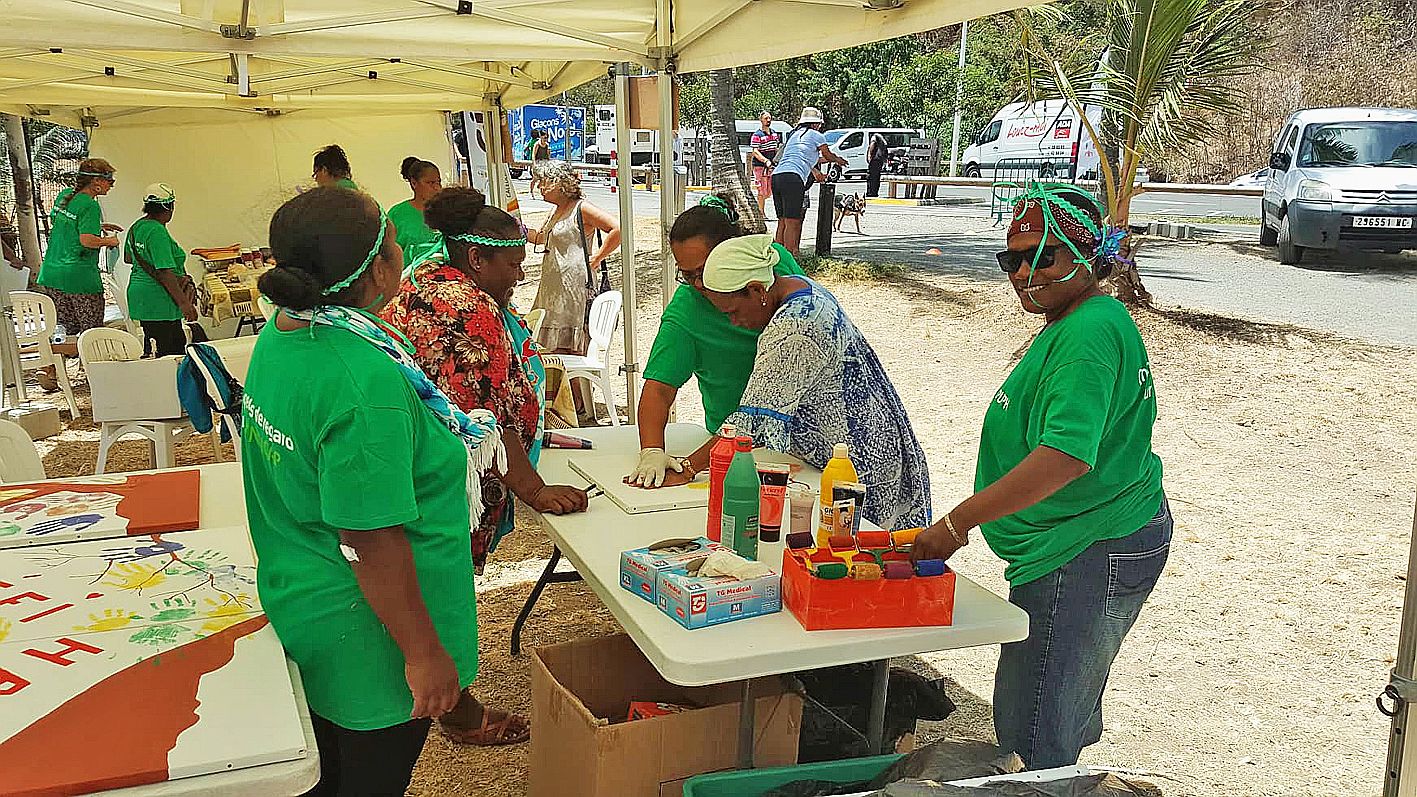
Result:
{"points": [[1342, 178], [852, 144], [1255, 179]]}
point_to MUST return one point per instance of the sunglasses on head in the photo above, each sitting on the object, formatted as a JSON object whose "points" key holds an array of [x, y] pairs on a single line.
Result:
{"points": [[1011, 261]]}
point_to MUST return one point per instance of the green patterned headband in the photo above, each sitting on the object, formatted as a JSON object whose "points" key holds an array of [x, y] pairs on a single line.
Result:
{"points": [[717, 203], [363, 267], [484, 240]]}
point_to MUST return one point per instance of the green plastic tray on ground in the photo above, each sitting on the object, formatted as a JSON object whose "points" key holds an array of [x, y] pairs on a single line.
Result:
{"points": [[757, 782]]}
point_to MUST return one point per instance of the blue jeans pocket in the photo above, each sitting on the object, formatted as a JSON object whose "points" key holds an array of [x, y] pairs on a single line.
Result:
{"points": [[1131, 576]]}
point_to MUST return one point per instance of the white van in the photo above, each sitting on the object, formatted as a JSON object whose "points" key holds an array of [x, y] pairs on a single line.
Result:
{"points": [[1342, 178], [852, 144], [1043, 139]]}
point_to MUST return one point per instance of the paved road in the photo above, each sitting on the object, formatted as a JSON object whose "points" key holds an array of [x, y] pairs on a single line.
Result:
{"points": [[1361, 296]]}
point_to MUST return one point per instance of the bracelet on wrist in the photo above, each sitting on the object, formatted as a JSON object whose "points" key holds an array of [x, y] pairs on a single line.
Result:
{"points": [[962, 539]]}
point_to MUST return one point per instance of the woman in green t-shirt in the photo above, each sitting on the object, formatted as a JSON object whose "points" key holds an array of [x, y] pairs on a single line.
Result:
{"points": [[425, 181], [358, 496], [331, 169], [160, 294], [1069, 492]]}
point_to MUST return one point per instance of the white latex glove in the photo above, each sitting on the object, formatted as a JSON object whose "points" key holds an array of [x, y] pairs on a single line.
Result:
{"points": [[649, 472]]}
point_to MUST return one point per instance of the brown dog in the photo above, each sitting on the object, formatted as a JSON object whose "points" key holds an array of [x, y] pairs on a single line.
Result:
{"points": [[853, 205]]}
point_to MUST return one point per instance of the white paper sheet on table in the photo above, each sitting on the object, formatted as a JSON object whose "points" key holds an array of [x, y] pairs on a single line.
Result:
{"points": [[608, 471]]}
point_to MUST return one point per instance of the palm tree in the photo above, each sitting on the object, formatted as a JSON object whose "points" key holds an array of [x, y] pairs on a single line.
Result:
{"points": [[1168, 69], [727, 161]]}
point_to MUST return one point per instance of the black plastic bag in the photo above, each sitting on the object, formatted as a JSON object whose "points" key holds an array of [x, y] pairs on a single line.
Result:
{"points": [[837, 709]]}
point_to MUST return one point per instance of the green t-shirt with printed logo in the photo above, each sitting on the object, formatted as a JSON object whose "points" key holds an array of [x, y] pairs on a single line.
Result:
{"points": [[333, 437], [68, 265], [696, 339], [148, 300], [1084, 388]]}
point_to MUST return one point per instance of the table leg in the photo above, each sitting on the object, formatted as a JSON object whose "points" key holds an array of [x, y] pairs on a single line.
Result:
{"points": [[548, 576], [745, 727], [876, 727]]}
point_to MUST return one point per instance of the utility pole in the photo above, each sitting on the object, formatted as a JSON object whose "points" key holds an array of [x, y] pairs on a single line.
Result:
{"points": [[959, 98]]}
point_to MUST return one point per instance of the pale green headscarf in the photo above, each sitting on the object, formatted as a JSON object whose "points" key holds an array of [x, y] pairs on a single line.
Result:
{"points": [[738, 261]]}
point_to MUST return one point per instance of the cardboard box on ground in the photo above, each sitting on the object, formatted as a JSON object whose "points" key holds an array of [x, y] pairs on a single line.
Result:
{"points": [[581, 692]]}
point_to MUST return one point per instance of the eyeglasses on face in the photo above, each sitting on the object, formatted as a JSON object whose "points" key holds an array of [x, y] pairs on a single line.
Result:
{"points": [[1011, 261]]}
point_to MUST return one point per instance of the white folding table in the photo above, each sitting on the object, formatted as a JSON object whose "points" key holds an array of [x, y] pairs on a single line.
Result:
{"points": [[745, 649]]}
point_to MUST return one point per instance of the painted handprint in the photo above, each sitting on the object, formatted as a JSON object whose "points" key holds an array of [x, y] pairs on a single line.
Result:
{"points": [[5, 627], [135, 577], [23, 511], [9, 529], [205, 559], [178, 608], [110, 620], [139, 552], [71, 524], [226, 613], [158, 635], [232, 577]]}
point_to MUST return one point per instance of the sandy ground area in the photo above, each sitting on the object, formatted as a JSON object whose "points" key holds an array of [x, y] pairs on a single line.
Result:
{"points": [[1290, 468]]}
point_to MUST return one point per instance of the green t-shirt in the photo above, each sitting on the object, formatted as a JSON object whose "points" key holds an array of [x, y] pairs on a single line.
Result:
{"points": [[695, 339], [345, 182], [1084, 388], [147, 299], [68, 265], [412, 230], [333, 437]]}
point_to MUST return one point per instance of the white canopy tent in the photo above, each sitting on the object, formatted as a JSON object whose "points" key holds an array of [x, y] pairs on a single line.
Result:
{"points": [[103, 61]]}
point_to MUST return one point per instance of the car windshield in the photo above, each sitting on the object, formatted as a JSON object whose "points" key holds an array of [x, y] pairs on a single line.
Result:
{"points": [[832, 136], [1360, 144]]}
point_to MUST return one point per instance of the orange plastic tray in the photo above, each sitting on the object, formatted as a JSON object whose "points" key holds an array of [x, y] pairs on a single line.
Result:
{"points": [[821, 604]]}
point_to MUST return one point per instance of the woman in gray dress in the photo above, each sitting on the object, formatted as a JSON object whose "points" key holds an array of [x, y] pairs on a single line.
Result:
{"points": [[571, 260]]}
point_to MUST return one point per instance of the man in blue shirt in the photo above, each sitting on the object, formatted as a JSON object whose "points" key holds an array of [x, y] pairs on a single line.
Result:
{"points": [[805, 148]]}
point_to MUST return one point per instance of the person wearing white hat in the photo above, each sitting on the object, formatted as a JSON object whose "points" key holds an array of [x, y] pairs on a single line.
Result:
{"points": [[816, 382], [805, 148], [160, 294]]}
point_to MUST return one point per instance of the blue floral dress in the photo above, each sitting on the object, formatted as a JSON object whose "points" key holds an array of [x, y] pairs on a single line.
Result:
{"points": [[817, 382]]}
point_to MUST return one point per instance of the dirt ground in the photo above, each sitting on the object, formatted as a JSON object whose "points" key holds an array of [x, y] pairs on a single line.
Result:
{"points": [[1252, 671]]}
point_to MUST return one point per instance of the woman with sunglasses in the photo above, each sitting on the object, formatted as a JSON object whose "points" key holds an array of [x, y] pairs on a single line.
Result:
{"points": [[695, 339], [1068, 490], [70, 271], [816, 382]]}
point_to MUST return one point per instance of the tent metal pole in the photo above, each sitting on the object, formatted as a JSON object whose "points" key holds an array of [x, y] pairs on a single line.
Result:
{"points": [[668, 177], [623, 164], [494, 151], [1400, 777]]}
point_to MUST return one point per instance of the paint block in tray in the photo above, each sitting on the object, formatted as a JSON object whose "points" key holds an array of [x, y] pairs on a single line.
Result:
{"points": [[640, 568], [699, 602]]}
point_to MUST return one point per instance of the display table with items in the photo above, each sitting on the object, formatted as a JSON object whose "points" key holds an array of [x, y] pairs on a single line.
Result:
{"points": [[228, 286]]}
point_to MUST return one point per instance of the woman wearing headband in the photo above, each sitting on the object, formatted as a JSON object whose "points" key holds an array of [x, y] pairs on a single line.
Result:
{"points": [[69, 272], [425, 181], [1069, 492], [160, 294], [570, 266], [361, 481], [816, 382], [455, 308], [695, 339]]}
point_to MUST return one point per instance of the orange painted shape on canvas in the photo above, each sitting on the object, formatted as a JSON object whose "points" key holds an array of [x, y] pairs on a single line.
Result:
{"points": [[118, 732]]}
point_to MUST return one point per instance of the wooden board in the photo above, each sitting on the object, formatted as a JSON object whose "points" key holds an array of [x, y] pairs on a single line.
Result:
{"points": [[99, 508], [609, 470], [137, 661]]}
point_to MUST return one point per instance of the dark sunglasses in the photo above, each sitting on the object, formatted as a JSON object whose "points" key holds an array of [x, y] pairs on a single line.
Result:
{"points": [[1011, 261], [692, 280]]}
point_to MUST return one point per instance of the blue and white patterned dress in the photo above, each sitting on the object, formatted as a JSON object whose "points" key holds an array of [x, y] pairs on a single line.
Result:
{"points": [[817, 382]]}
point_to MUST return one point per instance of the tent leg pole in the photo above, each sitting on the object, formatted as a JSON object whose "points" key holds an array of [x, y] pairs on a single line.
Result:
{"points": [[623, 164], [1402, 690], [670, 185]]}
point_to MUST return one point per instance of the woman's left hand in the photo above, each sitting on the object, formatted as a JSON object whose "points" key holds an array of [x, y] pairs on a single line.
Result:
{"points": [[935, 542]]}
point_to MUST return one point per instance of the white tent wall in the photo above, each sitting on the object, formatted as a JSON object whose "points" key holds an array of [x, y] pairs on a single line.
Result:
{"points": [[231, 170]]}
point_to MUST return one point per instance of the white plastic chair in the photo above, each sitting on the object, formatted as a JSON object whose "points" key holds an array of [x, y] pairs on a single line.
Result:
{"points": [[35, 322], [534, 320], [19, 459], [594, 367], [102, 345], [116, 281]]}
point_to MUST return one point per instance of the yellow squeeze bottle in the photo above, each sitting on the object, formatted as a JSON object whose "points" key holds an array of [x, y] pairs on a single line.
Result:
{"points": [[838, 469]]}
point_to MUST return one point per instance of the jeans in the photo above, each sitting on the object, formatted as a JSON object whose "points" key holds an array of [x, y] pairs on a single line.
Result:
{"points": [[1048, 688], [366, 763]]}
